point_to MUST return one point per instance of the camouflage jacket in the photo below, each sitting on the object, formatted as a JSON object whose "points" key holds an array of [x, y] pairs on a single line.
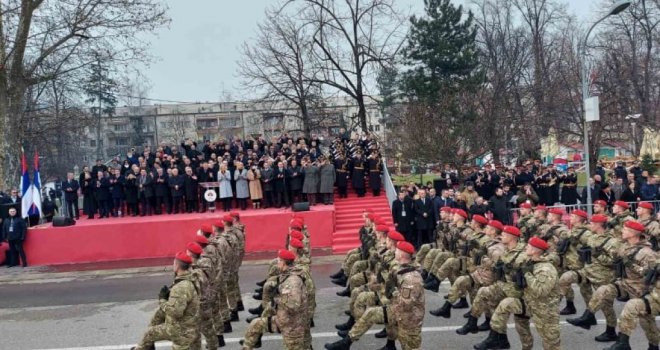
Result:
{"points": [[205, 277], [652, 229], [512, 259], [542, 285], [568, 245], [528, 226], [408, 300], [291, 302], [181, 309], [604, 248], [616, 223], [637, 259], [484, 273]]}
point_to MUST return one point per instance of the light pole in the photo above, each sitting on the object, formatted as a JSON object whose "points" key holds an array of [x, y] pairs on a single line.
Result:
{"points": [[617, 8], [633, 126]]}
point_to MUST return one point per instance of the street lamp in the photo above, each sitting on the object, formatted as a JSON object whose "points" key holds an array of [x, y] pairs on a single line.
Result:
{"points": [[633, 126], [617, 8]]}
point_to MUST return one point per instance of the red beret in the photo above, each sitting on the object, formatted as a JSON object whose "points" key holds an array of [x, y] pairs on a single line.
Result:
{"points": [[538, 243], [219, 224], [635, 225], [496, 224], [207, 228], [446, 209], [382, 228], [600, 218], [601, 203], [296, 243], [512, 230], [526, 205], [406, 247], [540, 207], [646, 205], [556, 211], [371, 216], [581, 213], [480, 219], [297, 235], [194, 248], [183, 257], [622, 204], [395, 236], [234, 214], [286, 255], [379, 221], [369, 210], [201, 240], [296, 224], [227, 218], [461, 212]]}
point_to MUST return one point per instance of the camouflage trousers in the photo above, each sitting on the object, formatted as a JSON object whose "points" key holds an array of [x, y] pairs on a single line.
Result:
{"points": [[638, 310], [273, 269], [451, 269], [410, 339], [221, 312], [566, 281], [433, 262], [427, 251], [261, 325], [362, 302], [487, 299], [358, 280], [545, 317], [182, 339], [603, 299], [207, 326], [351, 257], [359, 267], [233, 290], [463, 286]]}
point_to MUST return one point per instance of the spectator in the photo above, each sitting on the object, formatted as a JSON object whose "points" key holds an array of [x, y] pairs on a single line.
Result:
{"points": [[460, 203], [256, 194], [280, 186], [469, 194], [403, 215], [191, 184], [620, 171], [48, 209], [327, 180], [480, 207], [499, 206], [424, 217], [70, 188], [145, 192], [176, 184], [226, 194], [14, 230], [526, 194], [649, 190], [311, 183], [267, 183], [606, 194], [618, 187], [242, 187], [295, 177]]}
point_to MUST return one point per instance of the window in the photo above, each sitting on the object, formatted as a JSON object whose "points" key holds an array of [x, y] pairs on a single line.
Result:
{"points": [[163, 125], [229, 123], [207, 123], [120, 127], [92, 143], [121, 141], [376, 128]]}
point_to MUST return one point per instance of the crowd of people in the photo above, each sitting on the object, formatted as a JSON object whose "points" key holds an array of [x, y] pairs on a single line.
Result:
{"points": [[524, 270]]}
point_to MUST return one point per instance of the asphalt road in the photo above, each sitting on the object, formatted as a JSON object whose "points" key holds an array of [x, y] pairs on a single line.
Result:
{"points": [[112, 313]]}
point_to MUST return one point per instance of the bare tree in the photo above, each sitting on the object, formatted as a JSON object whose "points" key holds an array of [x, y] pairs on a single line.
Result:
{"points": [[42, 40]]}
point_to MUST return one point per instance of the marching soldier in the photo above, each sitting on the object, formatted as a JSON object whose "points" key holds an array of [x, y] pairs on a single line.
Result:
{"points": [[527, 223], [227, 258], [621, 212], [203, 274], [404, 314], [567, 249], [428, 252], [360, 253], [634, 259], [177, 317], [645, 216], [238, 230], [212, 252]]}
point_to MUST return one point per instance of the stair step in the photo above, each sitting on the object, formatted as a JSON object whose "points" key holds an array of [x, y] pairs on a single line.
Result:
{"points": [[343, 248], [344, 240]]}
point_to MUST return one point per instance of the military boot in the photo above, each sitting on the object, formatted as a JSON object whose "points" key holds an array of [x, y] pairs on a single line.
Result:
{"points": [[337, 274], [425, 274], [469, 327], [258, 296], [234, 316], [343, 344], [311, 323], [608, 335], [346, 326], [485, 326], [433, 283], [381, 334], [461, 304], [346, 292], [252, 318], [239, 305], [227, 328], [389, 346], [494, 341], [256, 345], [585, 321], [256, 310], [341, 281], [569, 309], [259, 290], [651, 347], [221, 340], [467, 314], [443, 311], [261, 283], [343, 333], [623, 343]]}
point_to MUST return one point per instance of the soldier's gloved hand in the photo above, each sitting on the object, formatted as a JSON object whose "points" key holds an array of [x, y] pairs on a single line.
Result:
{"points": [[164, 293], [527, 267]]}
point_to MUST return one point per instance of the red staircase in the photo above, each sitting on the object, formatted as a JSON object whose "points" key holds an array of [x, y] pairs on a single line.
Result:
{"points": [[348, 218]]}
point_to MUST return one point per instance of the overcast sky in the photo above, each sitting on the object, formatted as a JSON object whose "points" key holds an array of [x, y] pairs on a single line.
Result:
{"points": [[198, 52]]}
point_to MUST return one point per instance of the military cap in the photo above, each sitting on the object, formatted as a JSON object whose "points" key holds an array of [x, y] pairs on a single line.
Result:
{"points": [[297, 235], [183, 257], [227, 218], [622, 204], [526, 205], [635, 225], [538, 243], [540, 207], [207, 228], [296, 243], [496, 224], [461, 212], [480, 219], [382, 228], [286, 255], [512, 230], [194, 248], [406, 247], [581, 213], [646, 205], [556, 211], [599, 218], [395, 236], [201, 240], [219, 224], [601, 203]]}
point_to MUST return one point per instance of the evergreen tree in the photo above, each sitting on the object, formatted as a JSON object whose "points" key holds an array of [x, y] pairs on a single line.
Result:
{"points": [[101, 91], [648, 164]]}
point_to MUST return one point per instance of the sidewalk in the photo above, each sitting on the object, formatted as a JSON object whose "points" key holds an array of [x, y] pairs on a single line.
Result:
{"points": [[125, 269]]}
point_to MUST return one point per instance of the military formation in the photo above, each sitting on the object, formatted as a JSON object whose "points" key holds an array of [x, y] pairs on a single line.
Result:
{"points": [[205, 297], [526, 271]]}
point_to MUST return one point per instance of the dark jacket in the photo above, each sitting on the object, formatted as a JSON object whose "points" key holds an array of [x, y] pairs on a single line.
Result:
{"points": [[70, 190], [101, 189], [117, 186], [403, 222], [424, 207], [476, 209], [191, 186], [19, 229], [161, 188], [176, 184], [147, 190], [130, 189], [500, 206], [295, 181], [279, 180]]}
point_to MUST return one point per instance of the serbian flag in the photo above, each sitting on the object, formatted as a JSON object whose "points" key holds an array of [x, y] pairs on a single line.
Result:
{"points": [[35, 208], [26, 192]]}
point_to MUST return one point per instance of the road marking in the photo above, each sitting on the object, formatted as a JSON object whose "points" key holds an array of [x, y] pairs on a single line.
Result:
{"points": [[319, 335]]}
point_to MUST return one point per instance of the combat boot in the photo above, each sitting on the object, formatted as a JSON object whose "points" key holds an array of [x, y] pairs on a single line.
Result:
{"points": [[382, 334], [234, 316], [221, 340], [261, 283], [252, 318], [623, 343], [585, 321], [258, 296], [494, 341], [343, 344], [433, 283], [256, 345], [425, 274], [443, 311], [256, 310], [228, 328], [346, 326], [389, 346], [341, 281], [311, 323], [608, 335], [239, 305], [651, 347], [469, 327], [343, 334], [569, 309], [461, 304], [338, 274], [346, 292], [467, 314], [259, 290], [485, 326]]}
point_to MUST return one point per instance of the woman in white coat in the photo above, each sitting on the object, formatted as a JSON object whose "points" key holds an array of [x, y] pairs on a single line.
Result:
{"points": [[226, 194], [242, 190]]}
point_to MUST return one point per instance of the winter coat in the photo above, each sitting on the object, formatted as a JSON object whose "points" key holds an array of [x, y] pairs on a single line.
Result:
{"points": [[311, 183], [327, 175], [242, 189], [225, 184], [254, 177]]}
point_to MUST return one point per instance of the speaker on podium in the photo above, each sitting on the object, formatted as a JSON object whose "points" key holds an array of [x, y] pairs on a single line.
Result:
{"points": [[300, 206], [59, 221]]}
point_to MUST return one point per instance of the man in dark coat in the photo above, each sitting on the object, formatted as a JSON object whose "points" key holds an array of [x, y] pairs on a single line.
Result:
{"points": [[176, 184], [267, 183], [161, 192], [342, 166], [14, 230], [357, 175], [102, 193], [280, 185], [131, 191], [145, 192], [295, 177], [327, 180], [375, 170], [191, 184], [117, 181], [70, 188], [87, 189], [499, 205], [424, 217], [403, 215]]}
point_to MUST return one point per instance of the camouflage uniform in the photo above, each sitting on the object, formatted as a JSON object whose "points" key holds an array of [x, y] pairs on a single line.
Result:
{"points": [[290, 318], [616, 223], [233, 288], [367, 240], [445, 236], [652, 232], [361, 278], [227, 259], [374, 293], [404, 314], [569, 261], [643, 310], [482, 276], [426, 248], [204, 274], [452, 265], [528, 225], [540, 300], [177, 317], [637, 259]]}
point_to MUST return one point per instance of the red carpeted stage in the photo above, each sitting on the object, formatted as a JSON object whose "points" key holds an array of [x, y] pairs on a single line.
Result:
{"points": [[161, 236]]}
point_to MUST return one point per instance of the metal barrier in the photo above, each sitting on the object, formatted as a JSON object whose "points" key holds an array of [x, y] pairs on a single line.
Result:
{"points": [[390, 191]]}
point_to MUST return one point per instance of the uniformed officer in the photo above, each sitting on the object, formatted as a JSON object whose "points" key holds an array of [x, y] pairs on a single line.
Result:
{"points": [[621, 214], [567, 249], [645, 216], [177, 317]]}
